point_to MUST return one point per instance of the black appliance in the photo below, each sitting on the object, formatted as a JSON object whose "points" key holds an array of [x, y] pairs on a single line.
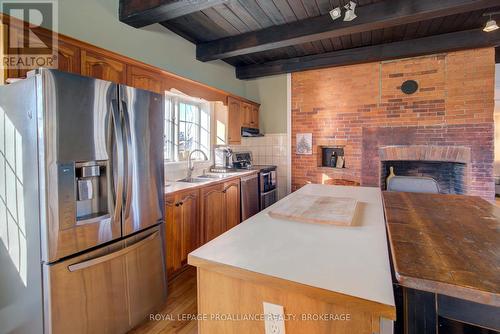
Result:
{"points": [[251, 132], [268, 192]]}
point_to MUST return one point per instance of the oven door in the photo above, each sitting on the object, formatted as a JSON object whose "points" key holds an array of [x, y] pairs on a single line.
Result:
{"points": [[268, 198], [267, 181]]}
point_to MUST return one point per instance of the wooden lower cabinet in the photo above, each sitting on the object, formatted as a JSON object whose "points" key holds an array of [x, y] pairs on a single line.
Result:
{"points": [[213, 211], [183, 234], [232, 203], [220, 208], [194, 217]]}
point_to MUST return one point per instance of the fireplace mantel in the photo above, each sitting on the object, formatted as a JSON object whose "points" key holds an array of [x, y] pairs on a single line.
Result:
{"points": [[458, 154]]}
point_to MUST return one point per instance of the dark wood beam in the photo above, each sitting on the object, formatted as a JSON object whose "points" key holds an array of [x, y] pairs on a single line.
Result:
{"points": [[140, 13], [410, 48], [383, 14]]}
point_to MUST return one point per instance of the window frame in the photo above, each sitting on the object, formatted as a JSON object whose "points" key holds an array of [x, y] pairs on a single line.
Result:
{"points": [[173, 121]]}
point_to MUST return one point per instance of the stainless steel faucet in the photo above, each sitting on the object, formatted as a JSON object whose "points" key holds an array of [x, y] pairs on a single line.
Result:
{"points": [[190, 162]]}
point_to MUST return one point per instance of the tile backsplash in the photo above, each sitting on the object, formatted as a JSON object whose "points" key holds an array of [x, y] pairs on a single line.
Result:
{"points": [[272, 149]]}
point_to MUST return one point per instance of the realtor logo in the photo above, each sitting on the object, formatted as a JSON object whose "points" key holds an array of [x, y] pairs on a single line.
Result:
{"points": [[30, 42]]}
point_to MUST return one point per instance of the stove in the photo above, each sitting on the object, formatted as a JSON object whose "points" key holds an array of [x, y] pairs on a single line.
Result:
{"points": [[267, 177]]}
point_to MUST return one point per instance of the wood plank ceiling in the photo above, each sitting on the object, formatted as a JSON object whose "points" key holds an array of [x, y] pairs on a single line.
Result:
{"points": [[218, 27]]}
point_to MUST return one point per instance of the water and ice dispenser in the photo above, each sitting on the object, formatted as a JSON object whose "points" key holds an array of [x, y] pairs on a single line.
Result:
{"points": [[91, 191]]}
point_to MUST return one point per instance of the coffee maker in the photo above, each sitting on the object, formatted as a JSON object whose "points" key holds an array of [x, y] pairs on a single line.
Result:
{"points": [[223, 158]]}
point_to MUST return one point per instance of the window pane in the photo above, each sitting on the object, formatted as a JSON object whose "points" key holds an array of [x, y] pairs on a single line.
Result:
{"points": [[187, 127]]}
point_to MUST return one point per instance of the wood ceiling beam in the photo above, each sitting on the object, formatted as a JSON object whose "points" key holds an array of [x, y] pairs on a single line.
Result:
{"points": [[383, 14], [140, 13], [409, 48]]}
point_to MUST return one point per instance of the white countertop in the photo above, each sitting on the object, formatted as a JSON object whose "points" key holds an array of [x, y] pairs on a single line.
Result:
{"points": [[351, 260]]}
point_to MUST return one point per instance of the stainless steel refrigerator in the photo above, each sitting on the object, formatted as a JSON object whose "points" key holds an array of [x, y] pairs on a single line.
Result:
{"points": [[81, 205]]}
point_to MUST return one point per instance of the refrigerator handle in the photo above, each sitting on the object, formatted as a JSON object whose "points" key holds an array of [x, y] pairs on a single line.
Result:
{"points": [[115, 130], [128, 178]]}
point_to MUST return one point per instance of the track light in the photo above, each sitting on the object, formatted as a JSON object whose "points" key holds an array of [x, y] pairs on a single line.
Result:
{"points": [[349, 14], [491, 25], [336, 13]]}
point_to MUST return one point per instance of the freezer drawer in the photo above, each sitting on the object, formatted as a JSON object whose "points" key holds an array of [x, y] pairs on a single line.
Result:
{"points": [[109, 290]]}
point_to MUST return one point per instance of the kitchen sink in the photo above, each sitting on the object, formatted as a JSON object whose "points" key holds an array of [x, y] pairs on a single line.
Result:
{"points": [[193, 180], [212, 176]]}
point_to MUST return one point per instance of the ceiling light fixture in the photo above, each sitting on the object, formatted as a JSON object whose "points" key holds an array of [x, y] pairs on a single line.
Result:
{"points": [[349, 14], [491, 25]]}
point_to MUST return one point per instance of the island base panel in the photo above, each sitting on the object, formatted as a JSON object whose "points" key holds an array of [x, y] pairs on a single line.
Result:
{"points": [[221, 296]]}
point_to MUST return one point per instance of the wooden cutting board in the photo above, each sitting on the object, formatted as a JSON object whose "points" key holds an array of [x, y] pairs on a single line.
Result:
{"points": [[317, 209]]}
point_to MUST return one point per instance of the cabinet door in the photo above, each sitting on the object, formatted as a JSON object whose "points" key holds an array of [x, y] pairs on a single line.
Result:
{"points": [[183, 232], [190, 224], [254, 118], [232, 203], [173, 236], [3, 50], [234, 120], [68, 55], [15, 39], [213, 211], [99, 66], [246, 111], [141, 78]]}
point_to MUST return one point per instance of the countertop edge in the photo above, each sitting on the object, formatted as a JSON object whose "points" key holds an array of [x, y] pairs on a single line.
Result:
{"points": [[383, 310], [451, 290]]}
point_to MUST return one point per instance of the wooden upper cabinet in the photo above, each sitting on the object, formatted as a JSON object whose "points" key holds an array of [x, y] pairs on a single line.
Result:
{"points": [[100, 66], [144, 79], [246, 111], [68, 58], [68, 54], [234, 120], [3, 50], [254, 116], [232, 203], [183, 233]]}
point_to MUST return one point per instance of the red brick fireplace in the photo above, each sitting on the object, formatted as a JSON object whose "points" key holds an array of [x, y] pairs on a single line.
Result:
{"points": [[362, 109], [448, 165]]}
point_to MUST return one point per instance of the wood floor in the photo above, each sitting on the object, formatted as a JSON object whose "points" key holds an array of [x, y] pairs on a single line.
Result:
{"points": [[181, 302]]}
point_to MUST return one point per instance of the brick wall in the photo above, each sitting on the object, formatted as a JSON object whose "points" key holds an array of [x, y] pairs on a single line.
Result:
{"points": [[363, 108]]}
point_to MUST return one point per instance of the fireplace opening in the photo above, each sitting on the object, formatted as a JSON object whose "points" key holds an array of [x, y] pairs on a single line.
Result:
{"points": [[450, 176]]}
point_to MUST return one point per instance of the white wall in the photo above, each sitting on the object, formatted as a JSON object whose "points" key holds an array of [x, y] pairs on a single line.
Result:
{"points": [[271, 93]]}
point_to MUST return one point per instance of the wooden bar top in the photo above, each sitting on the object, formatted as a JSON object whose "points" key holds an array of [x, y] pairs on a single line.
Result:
{"points": [[446, 244]]}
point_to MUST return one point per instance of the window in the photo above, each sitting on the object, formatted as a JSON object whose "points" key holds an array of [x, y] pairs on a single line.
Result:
{"points": [[187, 127]]}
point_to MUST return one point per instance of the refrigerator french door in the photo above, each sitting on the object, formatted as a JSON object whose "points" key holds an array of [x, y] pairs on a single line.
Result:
{"points": [[96, 149]]}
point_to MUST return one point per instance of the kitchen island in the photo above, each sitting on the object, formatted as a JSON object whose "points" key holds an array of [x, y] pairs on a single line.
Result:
{"points": [[445, 252], [329, 279]]}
